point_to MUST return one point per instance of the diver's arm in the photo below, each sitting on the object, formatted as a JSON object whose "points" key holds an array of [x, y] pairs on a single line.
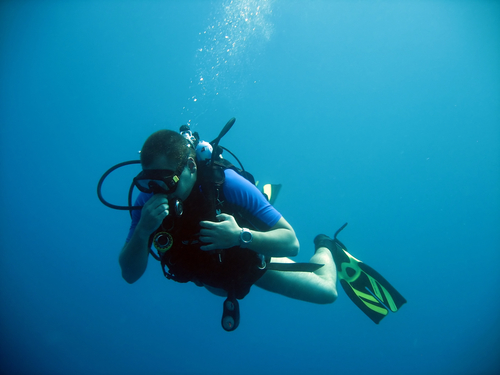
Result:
{"points": [[133, 258], [279, 241]]}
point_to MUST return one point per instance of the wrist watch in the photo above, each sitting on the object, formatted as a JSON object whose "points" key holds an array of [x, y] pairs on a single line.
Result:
{"points": [[245, 237]]}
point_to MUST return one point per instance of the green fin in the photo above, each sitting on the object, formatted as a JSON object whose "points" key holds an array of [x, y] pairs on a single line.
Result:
{"points": [[368, 289]]}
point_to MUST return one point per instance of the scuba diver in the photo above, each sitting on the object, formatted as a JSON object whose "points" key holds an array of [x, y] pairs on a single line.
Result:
{"points": [[212, 226]]}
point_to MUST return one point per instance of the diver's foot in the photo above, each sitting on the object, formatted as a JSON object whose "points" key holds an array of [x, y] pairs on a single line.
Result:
{"points": [[322, 240], [339, 256]]}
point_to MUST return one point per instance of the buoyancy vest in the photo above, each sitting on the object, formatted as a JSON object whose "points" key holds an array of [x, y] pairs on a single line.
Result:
{"points": [[235, 269]]}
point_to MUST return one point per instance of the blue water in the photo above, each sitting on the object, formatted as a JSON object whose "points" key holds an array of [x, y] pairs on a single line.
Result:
{"points": [[383, 114]]}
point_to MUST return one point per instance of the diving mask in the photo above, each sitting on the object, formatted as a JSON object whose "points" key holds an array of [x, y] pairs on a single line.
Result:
{"points": [[157, 181]]}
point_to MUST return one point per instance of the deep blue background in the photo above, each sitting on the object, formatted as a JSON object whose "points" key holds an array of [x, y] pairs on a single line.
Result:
{"points": [[384, 114]]}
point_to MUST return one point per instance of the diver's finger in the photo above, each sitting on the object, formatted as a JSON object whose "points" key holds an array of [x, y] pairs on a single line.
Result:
{"points": [[223, 217], [205, 232], [206, 239], [208, 247], [208, 224]]}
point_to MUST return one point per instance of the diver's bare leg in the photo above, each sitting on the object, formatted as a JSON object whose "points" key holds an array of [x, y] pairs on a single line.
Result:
{"points": [[316, 287]]}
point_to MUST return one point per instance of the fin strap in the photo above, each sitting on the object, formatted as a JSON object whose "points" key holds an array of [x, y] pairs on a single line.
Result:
{"points": [[294, 267]]}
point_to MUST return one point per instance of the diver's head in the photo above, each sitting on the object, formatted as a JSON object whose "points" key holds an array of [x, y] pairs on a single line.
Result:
{"points": [[168, 165]]}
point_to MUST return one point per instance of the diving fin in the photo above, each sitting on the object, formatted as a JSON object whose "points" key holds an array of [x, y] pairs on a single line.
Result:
{"points": [[369, 290], [270, 191]]}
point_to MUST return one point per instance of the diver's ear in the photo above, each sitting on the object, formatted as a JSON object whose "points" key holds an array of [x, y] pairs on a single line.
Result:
{"points": [[191, 164]]}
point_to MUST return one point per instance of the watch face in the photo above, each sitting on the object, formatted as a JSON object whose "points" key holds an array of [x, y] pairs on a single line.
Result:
{"points": [[246, 236]]}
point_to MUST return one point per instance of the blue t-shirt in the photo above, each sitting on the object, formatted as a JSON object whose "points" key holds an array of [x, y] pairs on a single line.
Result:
{"points": [[239, 192]]}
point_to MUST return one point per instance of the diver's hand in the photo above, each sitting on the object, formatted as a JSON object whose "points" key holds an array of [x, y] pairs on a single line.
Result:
{"points": [[220, 235], [154, 211]]}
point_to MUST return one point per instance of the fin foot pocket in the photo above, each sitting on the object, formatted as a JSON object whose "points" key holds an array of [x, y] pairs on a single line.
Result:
{"points": [[322, 240], [230, 314]]}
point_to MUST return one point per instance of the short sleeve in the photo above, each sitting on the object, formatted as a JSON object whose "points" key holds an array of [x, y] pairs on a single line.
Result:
{"points": [[243, 194], [142, 198]]}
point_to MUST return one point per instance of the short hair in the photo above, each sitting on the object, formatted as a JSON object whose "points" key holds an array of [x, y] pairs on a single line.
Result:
{"points": [[166, 144]]}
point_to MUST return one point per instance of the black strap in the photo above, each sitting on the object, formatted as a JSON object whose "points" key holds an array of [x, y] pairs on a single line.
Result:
{"points": [[294, 267]]}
